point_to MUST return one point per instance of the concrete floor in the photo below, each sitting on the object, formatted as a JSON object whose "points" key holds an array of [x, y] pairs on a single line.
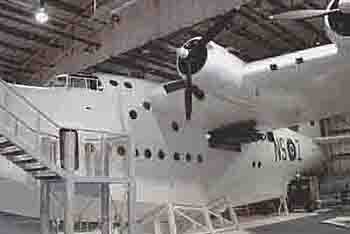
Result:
{"points": [[12, 224], [306, 225]]}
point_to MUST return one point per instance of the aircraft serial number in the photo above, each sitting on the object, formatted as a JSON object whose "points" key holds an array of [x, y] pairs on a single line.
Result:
{"points": [[287, 149]]}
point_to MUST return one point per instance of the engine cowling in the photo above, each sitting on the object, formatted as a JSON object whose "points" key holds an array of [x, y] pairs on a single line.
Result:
{"points": [[338, 24], [213, 67]]}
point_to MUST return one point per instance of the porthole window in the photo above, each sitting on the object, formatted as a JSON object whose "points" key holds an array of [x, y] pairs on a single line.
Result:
{"points": [[133, 114], [161, 154], [254, 164], [89, 148], [199, 158], [274, 67], [177, 156], [114, 83], [146, 105], [259, 164], [127, 85], [121, 150], [299, 60], [188, 157], [175, 126], [148, 153], [137, 153]]}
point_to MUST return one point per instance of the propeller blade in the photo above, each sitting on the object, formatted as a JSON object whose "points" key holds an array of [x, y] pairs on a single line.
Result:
{"points": [[302, 14], [198, 93], [174, 86], [181, 84], [188, 92]]}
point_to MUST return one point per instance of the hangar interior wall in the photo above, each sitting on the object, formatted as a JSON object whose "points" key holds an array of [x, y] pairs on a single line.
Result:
{"points": [[339, 153]]}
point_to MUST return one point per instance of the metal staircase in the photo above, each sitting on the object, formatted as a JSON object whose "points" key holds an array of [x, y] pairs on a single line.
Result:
{"points": [[28, 162], [48, 152], [28, 138]]}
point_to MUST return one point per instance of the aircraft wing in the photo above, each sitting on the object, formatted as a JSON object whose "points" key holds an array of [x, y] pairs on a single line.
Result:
{"points": [[275, 92], [302, 86], [332, 139]]}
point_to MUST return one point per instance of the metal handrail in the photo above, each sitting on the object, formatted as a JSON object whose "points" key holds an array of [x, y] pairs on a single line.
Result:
{"points": [[29, 103], [99, 131], [25, 124], [46, 117]]}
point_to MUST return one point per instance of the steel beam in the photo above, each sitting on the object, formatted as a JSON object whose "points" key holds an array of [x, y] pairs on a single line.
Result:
{"points": [[16, 47], [129, 63], [283, 206], [69, 207], [106, 200], [286, 36], [45, 227], [17, 69], [10, 61], [106, 211], [207, 220], [132, 189], [49, 29], [139, 24], [69, 155], [157, 226], [73, 8], [15, 10], [99, 180], [19, 63], [148, 59], [306, 25], [171, 220], [29, 36], [232, 212]]}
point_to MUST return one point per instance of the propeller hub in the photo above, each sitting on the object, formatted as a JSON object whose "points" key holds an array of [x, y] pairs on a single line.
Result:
{"points": [[194, 53], [339, 21], [182, 53]]}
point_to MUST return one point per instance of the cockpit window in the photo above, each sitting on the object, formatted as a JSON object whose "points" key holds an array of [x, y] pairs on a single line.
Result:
{"points": [[77, 83], [59, 82], [92, 84], [82, 82]]}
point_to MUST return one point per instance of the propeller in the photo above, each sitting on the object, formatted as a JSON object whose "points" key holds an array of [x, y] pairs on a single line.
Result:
{"points": [[302, 14], [189, 56], [188, 91], [343, 7]]}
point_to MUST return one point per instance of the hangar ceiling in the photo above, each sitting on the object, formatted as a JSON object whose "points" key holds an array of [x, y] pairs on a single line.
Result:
{"points": [[25, 45]]}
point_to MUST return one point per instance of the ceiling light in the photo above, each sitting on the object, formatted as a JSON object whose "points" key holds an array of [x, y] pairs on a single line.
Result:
{"points": [[207, 136], [41, 15], [145, 51]]}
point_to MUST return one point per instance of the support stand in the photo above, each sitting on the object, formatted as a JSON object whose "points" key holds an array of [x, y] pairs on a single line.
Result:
{"points": [[283, 205], [190, 219], [69, 150], [69, 207], [69, 157], [45, 226], [232, 212]]}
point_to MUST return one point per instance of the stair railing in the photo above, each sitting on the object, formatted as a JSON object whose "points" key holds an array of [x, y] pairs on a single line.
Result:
{"points": [[23, 121]]}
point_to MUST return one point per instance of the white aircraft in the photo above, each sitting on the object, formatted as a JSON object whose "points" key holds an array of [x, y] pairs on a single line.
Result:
{"points": [[174, 160]]}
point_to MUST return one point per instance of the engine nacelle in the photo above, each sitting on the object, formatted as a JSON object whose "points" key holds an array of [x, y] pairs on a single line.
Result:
{"points": [[338, 24], [213, 67]]}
